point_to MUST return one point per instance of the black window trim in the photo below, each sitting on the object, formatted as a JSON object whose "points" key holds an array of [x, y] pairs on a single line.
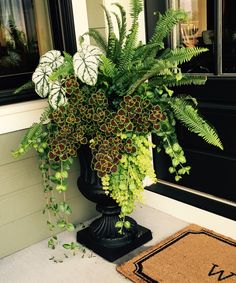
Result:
{"points": [[196, 200]]}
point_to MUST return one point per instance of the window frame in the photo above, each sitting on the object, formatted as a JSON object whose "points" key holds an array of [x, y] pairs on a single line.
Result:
{"points": [[171, 190], [64, 39]]}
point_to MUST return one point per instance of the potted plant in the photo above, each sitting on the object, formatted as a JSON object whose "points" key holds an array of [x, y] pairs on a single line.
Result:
{"points": [[112, 97]]}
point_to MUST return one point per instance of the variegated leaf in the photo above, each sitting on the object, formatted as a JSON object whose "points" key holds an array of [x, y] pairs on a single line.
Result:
{"points": [[52, 58], [57, 96], [86, 61], [40, 78]]}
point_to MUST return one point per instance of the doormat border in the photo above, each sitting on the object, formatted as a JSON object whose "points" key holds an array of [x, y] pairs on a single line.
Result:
{"points": [[191, 229]]}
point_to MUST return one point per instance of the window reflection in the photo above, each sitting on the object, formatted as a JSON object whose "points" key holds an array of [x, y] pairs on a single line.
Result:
{"points": [[197, 31], [19, 35]]}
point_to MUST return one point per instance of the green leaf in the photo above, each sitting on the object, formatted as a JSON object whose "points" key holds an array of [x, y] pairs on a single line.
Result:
{"points": [[86, 61], [190, 118], [51, 244], [61, 223], [182, 55], [74, 245], [99, 39], [127, 224], [119, 224], [66, 246], [70, 227], [165, 25], [108, 67], [26, 86]]}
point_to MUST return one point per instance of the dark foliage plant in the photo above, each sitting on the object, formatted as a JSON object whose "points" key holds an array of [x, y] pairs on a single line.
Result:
{"points": [[113, 97]]}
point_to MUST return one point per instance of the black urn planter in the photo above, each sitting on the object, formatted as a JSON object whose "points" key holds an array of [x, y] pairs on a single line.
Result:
{"points": [[102, 236]]}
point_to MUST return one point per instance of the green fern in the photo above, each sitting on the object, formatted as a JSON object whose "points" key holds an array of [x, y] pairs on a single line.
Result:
{"points": [[44, 116], [111, 35], [131, 41], [136, 9], [28, 140], [190, 118], [31, 136], [182, 55], [128, 50], [65, 69], [161, 67], [165, 25], [171, 81], [26, 86], [123, 25], [145, 51], [99, 39], [108, 67]]}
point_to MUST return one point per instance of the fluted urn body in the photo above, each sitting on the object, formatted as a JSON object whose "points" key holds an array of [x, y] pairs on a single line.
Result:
{"points": [[102, 236]]}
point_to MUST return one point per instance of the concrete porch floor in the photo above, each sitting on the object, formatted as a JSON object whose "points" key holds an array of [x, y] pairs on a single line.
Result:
{"points": [[32, 265], [163, 216]]}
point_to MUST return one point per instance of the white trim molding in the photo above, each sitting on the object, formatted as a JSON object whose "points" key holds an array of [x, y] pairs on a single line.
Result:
{"points": [[191, 214], [20, 116]]}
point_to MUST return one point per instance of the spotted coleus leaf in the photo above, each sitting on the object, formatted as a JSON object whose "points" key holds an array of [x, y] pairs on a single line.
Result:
{"points": [[86, 61], [41, 80], [57, 96], [52, 58]]}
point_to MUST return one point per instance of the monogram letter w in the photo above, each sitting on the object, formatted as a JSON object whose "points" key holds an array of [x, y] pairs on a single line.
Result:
{"points": [[220, 273]]}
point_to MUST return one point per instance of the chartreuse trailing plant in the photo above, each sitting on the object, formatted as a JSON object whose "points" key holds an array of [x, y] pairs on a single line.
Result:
{"points": [[112, 97]]}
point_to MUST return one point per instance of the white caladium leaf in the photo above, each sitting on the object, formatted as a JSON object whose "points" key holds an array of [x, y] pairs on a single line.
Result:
{"points": [[57, 96], [40, 78], [86, 61], [52, 58]]}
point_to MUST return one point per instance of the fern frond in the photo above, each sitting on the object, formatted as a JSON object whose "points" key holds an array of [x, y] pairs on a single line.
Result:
{"points": [[144, 51], [131, 41], [28, 140], [118, 21], [44, 116], [128, 50], [26, 86], [108, 67], [161, 67], [136, 9], [191, 119], [171, 81], [111, 35], [165, 25], [31, 135], [123, 24], [65, 69], [99, 39], [182, 55]]}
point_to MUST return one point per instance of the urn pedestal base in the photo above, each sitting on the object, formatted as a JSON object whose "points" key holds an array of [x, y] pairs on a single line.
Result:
{"points": [[112, 253], [102, 236]]}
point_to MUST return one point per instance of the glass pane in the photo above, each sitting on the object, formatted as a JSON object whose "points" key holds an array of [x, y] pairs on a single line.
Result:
{"points": [[229, 36], [24, 35], [197, 31]]}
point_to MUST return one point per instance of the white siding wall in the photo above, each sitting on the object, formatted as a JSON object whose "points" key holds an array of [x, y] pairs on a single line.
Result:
{"points": [[21, 198]]}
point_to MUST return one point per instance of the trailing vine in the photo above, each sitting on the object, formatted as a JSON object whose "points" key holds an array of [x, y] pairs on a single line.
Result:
{"points": [[125, 185]]}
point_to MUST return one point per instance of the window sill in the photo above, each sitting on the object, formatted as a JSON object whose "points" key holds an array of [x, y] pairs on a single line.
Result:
{"points": [[20, 116]]}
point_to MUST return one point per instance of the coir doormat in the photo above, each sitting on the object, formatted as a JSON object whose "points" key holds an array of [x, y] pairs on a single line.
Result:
{"points": [[193, 255]]}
